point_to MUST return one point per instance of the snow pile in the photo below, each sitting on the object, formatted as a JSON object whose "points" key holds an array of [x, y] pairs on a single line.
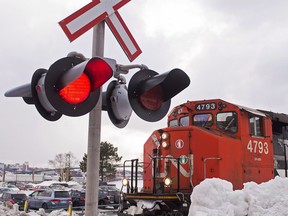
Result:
{"points": [[8, 209], [12, 210], [60, 213], [216, 197], [142, 204]]}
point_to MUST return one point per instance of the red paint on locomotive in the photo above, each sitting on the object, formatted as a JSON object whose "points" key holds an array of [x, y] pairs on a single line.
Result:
{"points": [[219, 139], [211, 139]]}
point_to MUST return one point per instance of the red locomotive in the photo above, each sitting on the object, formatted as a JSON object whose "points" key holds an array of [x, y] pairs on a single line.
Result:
{"points": [[207, 139]]}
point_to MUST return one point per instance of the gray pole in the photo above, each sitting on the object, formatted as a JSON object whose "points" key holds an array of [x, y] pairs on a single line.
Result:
{"points": [[94, 132]]}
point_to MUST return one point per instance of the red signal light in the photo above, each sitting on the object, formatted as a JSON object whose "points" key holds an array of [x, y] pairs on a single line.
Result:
{"points": [[150, 93], [99, 72], [152, 99], [71, 86], [77, 91]]}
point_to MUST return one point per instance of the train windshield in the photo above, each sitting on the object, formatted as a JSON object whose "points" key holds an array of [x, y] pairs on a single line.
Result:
{"points": [[227, 121], [203, 120], [183, 121], [173, 123]]}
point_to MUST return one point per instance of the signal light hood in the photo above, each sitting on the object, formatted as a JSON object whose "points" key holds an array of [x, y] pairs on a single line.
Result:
{"points": [[166, 86]]}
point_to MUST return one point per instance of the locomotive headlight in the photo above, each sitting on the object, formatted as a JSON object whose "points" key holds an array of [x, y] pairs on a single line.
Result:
{"points": [[167, 182], [165, 144], [165, 140], [125, 182], [164, 136]]}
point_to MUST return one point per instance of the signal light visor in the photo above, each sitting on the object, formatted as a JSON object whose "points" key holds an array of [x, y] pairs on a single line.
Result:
{"points": [[99, 72]]}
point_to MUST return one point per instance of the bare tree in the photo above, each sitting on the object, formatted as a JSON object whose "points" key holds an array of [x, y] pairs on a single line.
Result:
{"points": [[62, 164]]}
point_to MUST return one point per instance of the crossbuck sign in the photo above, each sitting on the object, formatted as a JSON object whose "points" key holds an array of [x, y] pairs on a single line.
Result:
{"points": [[95, 12]]}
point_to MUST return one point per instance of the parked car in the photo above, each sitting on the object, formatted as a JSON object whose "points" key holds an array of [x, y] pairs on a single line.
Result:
{"points": [[14, 197], [13, 187], [19, 185], [113, 192], [103, 198], [49, 199], [59, 185], [78, 198], [4, 189], [41, 187], [29, 186]]}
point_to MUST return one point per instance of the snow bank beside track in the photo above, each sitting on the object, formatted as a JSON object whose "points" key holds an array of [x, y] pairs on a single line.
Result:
{"points": [[216, 197]]}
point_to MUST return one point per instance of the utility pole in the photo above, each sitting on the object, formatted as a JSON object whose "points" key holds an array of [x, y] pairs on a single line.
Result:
{"points": [[94, 133], [4, 173]]}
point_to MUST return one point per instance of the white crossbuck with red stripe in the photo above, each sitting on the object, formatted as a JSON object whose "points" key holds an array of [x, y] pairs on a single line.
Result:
{"points": [[95, 12]]}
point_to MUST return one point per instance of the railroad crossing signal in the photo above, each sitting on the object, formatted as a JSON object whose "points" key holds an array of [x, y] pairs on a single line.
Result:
{"points": [[71, 86], [115, 102], [95, 12], [148, 95]]}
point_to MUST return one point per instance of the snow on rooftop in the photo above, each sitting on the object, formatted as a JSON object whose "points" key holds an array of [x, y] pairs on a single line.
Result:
{"points": [[47, 183]]}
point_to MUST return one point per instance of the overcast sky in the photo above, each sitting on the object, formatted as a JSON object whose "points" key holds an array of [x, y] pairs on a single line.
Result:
{"points": [[234, 50]]}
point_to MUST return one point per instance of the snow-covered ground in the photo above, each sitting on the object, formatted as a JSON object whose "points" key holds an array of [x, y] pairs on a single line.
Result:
{"points": [[8, 211], [215, 197], [13, 211]]}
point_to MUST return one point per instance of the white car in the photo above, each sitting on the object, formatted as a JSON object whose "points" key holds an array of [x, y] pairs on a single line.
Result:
{"points": [[13, 187]]}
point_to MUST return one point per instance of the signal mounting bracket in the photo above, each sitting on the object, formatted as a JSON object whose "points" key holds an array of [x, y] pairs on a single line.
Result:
{"points": [[124, 69]]}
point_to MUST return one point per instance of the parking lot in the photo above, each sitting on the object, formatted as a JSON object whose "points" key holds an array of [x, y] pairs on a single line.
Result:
{"points": [[55, 196]]}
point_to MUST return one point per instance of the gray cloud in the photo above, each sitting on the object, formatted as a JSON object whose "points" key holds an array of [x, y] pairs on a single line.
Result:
{"points": [[234, 50]]}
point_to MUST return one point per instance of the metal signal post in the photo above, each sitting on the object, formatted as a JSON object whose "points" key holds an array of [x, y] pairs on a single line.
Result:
{"points": [[94, 134]]}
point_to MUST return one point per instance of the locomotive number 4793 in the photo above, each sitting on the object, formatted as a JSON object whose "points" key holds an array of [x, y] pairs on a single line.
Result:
{"points": [[255, 146], [205, 106]]}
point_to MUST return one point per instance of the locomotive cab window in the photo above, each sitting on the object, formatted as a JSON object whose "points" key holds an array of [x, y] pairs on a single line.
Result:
{"points": [[202, 120], [173, 123], [184, 121], [256, 126], [227, 121]]}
